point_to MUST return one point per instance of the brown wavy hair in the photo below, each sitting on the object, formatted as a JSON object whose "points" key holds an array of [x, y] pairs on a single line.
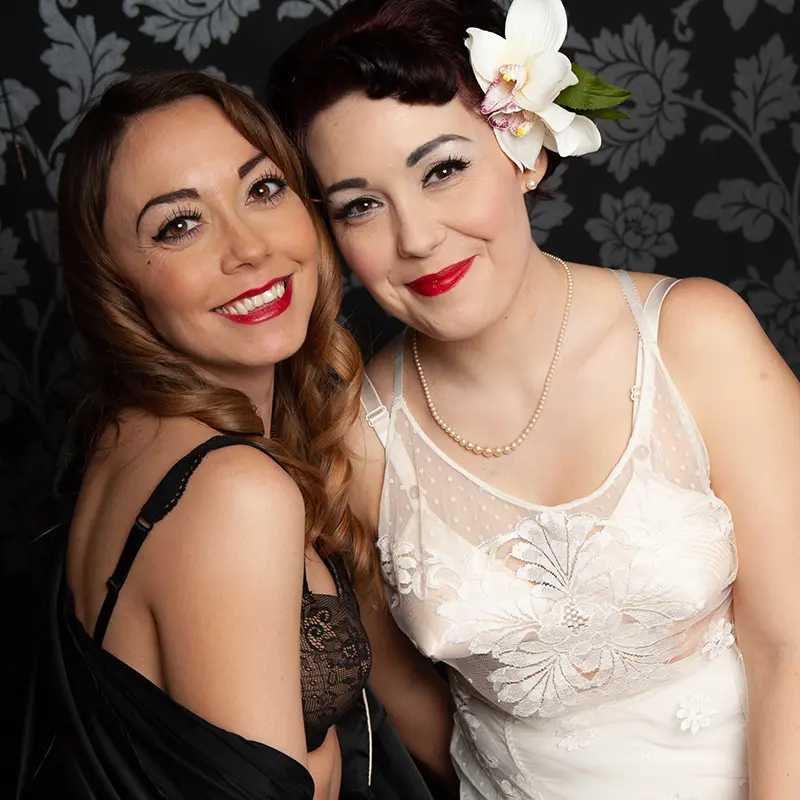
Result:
{"points": [[316, 397]]}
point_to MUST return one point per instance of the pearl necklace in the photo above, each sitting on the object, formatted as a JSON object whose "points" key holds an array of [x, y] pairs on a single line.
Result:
{"points": [[509, 448]]}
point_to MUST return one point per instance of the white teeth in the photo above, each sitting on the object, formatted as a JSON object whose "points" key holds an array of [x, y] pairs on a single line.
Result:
{"points": [[256, 301]]}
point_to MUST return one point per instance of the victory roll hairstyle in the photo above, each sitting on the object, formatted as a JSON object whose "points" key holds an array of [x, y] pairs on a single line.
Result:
{"points": [[409, 50]]}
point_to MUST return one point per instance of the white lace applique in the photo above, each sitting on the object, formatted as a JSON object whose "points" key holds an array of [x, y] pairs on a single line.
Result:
{"points": [[695, 713], [400, 565], [511, 792], [574, 735], [470, 725], [718, 639], [579, 621]]}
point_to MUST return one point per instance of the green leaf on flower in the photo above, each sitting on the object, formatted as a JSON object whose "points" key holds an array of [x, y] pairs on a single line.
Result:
{"points": [[591, 93], [604, 113]]}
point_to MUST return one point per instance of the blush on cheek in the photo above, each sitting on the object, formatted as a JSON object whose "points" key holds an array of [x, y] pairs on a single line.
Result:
{"points": [[493, 208], [296, 238]]}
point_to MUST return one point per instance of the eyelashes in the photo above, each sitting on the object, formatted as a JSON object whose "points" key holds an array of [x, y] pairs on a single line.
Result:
{"points": [[450, 166], [438, 173], [177, 226]]}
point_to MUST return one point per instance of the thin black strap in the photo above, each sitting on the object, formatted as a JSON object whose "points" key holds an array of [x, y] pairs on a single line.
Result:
{"points": [[163, 499]]}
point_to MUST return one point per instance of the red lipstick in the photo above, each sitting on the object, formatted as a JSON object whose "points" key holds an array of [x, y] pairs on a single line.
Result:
{"points": [[265, 312], [254, 292], [443, 281]]}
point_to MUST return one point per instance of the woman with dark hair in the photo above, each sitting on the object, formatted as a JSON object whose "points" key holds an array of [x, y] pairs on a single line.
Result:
{"points": [[577, 477], [205, 640]]}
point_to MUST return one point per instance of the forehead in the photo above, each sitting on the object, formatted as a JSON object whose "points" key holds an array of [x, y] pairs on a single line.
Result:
{"points": [[357, 132], [188, 144]]}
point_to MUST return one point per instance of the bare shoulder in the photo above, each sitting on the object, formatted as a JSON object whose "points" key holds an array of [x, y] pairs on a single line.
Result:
{"points": [[704, 321], [240, 487], [722, 361], [223, 581]]}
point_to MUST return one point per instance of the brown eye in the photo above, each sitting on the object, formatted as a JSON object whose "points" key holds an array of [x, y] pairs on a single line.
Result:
{"points": [[445, 170], [267, 188], [177, 228]]}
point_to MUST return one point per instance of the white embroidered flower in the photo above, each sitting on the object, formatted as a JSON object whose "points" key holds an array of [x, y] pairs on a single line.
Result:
{"points": [[469, 727], [719, 638], [400, 565], [522, 76], [696, 713], [575, 738]]}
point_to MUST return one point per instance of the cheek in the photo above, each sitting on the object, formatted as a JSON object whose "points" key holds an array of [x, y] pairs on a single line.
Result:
{"points": [[294, 236], [172, 289], [368, 251], [492, 208]]}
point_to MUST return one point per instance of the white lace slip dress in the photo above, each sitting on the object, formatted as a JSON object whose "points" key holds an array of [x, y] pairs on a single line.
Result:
{"points": [[591, 644]]}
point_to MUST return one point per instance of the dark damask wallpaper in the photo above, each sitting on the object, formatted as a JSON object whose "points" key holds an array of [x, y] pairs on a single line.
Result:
{"points": [[702, 179]]}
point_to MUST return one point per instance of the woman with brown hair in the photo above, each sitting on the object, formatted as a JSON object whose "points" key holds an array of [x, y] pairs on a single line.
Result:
{"points": [[206, 638]]}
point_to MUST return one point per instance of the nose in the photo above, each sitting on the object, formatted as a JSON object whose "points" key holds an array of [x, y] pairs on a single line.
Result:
{"points": [[247, 242], [418, 231]]}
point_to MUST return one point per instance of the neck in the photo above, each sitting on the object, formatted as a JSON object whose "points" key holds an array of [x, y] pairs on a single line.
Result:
{"points": [[521, 336]]}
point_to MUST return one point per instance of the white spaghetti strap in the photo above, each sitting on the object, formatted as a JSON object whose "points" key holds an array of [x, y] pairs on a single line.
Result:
{"points": [[634, 303], [636, 309], [398, 366], [376, 414], [652, 306]]}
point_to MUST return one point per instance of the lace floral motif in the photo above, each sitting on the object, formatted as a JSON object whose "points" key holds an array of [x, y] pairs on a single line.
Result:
{"points": [[469, 727], [719, 638], [600, 606], [400, 565], [335, 656], [575, 735], [696, 713]]}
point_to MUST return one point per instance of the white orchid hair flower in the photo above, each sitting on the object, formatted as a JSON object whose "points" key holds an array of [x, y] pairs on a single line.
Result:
{"points": [[534, 96]]}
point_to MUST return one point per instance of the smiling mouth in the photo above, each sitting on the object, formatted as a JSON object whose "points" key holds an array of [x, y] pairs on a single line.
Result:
{"points": [[443, 281], [250, 301], [259, 305]]}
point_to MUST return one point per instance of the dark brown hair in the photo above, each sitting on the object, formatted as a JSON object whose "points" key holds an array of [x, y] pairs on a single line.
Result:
{"points": [[410, 50], [316, 398]]}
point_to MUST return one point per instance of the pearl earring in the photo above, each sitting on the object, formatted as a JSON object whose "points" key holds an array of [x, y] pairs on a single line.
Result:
{"points": [[531, 184]]}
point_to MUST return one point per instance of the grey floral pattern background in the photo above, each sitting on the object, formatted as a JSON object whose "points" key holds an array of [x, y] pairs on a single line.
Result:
{"points": [[703, 178]]}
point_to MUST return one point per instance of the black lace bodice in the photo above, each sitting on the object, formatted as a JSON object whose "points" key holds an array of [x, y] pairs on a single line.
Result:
{"points": [[335, 657]]}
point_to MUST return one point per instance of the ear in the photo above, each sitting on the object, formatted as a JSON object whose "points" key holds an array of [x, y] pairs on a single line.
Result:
{"points": [[529, 179]]}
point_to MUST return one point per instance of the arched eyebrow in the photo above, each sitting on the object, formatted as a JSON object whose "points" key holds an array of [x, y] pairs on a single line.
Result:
{"points": [[193, 194], [413, 159], [417, 155]]}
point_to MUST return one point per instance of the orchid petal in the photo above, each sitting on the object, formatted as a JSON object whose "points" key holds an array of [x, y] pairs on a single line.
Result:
{"points": [[548, 75], [498, 96], [488, 52], [522, 150], [581, 137], [536, 26], [556, 117], [519, 122]]}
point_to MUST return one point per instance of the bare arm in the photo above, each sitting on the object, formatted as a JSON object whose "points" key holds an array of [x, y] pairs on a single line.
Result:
{"points": [[415, 695], [747, 404], [227, 604]]}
